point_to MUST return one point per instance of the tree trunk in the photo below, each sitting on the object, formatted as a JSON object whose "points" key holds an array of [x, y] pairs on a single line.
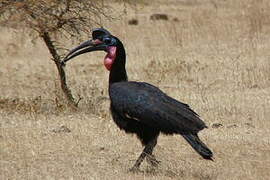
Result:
{"points": [[57, 60]]}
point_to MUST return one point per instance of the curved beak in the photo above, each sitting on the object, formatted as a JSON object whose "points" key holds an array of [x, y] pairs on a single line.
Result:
{"points": [[87, 46]]}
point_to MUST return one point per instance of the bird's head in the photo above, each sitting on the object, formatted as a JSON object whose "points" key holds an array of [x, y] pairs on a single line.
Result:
{"points": [[102, 40]]}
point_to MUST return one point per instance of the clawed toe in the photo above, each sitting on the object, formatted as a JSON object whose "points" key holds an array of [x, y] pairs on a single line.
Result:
{"points": [[134, 169], [152, 160]]}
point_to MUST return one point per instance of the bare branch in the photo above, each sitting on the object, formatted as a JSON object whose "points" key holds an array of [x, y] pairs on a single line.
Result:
{"points": [[49, 18]]}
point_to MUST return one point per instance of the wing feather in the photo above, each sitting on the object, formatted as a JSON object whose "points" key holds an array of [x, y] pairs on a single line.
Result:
{"points": [[149, 105]]}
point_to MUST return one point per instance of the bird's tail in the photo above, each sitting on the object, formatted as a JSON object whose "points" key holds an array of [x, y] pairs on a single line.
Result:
{"points": [[198, 146]]}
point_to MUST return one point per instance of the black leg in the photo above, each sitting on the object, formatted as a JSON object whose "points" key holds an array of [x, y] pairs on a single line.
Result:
{"points": [[147, 152]]}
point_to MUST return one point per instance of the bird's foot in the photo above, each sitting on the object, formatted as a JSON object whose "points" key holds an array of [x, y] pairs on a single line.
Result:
{"points": [[152, 160], [134, 169]]}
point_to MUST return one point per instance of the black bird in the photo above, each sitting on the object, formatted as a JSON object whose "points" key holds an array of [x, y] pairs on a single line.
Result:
{"points": [[139, 107]]}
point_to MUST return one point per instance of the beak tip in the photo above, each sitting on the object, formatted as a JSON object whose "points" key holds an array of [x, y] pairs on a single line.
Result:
{"points": [[63, 63]]}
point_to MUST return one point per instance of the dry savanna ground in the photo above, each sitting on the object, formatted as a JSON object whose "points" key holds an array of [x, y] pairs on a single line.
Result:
{"points": [[213, 55]]}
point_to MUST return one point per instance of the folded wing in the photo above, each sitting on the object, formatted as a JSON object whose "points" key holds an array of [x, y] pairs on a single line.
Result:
{"points": [[149, 105]]}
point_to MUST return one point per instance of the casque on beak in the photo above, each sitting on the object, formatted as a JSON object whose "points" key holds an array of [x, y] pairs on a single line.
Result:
{"points": [[87, 46]]}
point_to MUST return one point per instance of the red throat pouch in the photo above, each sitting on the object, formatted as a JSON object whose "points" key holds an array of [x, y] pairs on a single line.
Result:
{"points": [[110, 57]]}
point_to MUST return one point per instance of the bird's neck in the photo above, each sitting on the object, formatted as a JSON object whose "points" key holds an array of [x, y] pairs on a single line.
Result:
{"points": [[118, 75], [118, 71]]}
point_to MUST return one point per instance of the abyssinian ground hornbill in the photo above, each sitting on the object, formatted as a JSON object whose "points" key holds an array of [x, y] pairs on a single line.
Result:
{"points": [[139, 107]]}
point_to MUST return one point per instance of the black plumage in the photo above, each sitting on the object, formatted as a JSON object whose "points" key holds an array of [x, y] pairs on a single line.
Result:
{"points": [[141, 108]]}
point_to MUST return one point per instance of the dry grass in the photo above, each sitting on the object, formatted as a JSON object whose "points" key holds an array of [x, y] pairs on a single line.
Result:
{"points": [[215, 57]]}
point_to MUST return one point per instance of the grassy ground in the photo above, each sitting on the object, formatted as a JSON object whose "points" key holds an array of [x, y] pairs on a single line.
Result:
{"points": [[213, 55]]}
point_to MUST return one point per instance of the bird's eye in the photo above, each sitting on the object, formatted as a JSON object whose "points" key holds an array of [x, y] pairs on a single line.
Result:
{"points": [[107, 40]]}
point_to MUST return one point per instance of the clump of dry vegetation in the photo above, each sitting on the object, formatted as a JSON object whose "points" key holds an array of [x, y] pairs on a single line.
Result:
{"points": [[215, 58], [51, 20]]}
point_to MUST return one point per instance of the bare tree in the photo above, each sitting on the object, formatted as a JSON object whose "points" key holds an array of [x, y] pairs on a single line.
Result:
{"points": [[47, 18]]}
